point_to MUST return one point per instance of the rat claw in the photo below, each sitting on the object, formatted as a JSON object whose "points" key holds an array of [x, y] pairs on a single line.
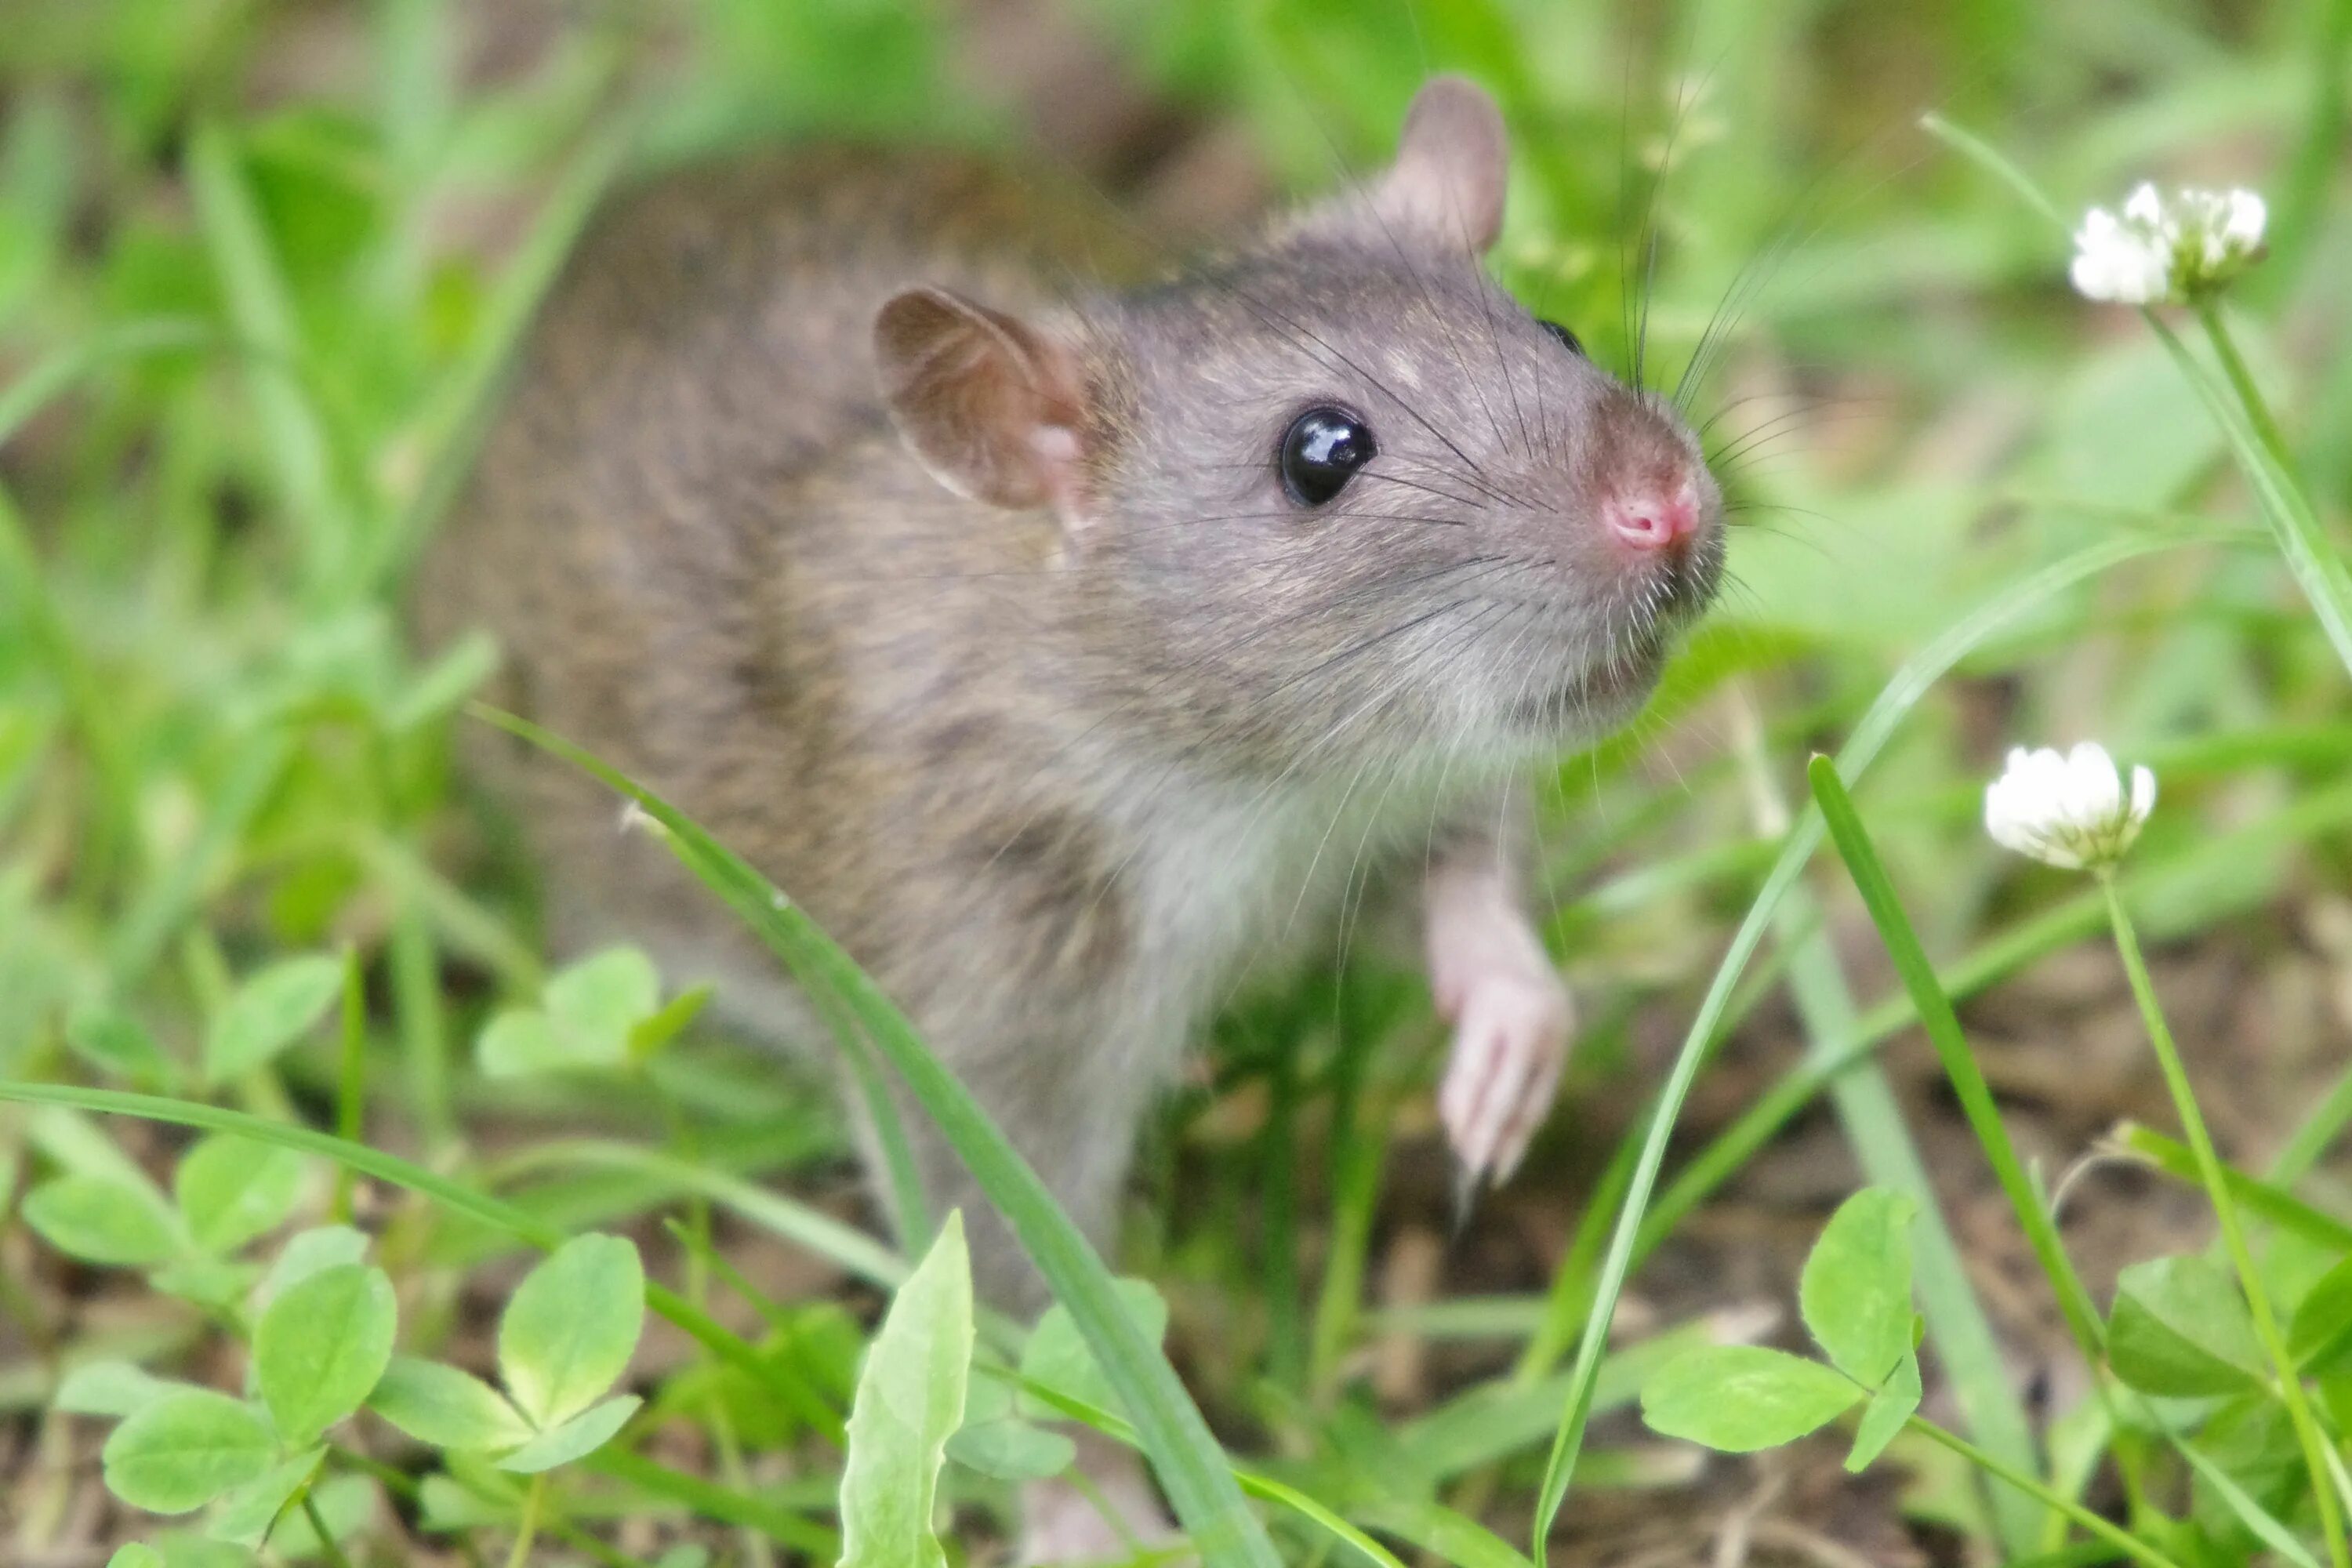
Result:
{"points": [[1509, 1048]]}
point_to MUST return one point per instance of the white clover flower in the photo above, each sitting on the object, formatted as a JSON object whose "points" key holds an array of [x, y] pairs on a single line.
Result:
{"points": [[2067, 811], [2162, 251]]}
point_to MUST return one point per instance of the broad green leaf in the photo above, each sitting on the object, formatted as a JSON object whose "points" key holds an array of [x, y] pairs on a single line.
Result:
{"points": [[606, 995], [246, 1515], [216, 1282], [524, 1042], [446, 1407], [185, 1548], [570, 1326], [101, 1220], [1741, 1398], [2180, 1329], [185, 1449], [269, 1012], [1011, 1450], [119, 1045], [321, 1345], [1882, 1418], [911, 1398], [135, 1555], [567, 1440], [231, 1190], [2249, 1463], [111, 1388], [1056, 1355], [2320, 1337], [1855, 1292], [307, 1251]]}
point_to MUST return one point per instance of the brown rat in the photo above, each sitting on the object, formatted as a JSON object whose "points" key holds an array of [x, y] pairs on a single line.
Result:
{"points": [[1061, 650]]}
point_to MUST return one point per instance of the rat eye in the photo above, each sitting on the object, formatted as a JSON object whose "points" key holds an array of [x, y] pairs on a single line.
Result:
{"points": [[1320, 452], [1566, 337]]}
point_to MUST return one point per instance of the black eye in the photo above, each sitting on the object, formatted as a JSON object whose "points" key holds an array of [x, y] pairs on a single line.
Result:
{"points": [[1565, 336], [1319, 452]]}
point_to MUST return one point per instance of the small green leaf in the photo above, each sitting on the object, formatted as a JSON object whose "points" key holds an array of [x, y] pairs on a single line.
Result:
{"points": [[231, 1190], [269, 1012], [216, 1282], [185, 1449], [524, 1042], [321, 1345], [111, 1388], [606, 995], [1057, 1356], [571, 1328], [2320, 1337], [307, 1251], [1741, 1398], [134, 1555], [567, 1440], [120, 1047], [446, 1407], [101, 1220], [1011, 1450], [658, 1029], [443, 1505], [1882, 1418], [2180, 1329], [911, 1399], [246, 1514], [1856, 1288]]}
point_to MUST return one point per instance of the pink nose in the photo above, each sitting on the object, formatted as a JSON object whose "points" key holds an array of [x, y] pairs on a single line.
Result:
{"points": [[1653, 519]]}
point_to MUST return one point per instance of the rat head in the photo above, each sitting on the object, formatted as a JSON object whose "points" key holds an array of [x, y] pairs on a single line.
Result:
{"points": [[1337, 496]]}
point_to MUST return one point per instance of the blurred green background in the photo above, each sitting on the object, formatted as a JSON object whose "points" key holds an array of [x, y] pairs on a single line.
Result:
{"points": [[261, 261]]}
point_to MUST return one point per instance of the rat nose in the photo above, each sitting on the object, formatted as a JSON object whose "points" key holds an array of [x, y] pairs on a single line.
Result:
{"points": [[1653, 519]]}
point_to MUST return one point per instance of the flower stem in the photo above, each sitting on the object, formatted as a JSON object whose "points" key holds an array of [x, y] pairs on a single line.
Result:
{"points": [[2241, 380], [532, 1502], [2233, 1234], [2114, 1535], [327, 1543]]}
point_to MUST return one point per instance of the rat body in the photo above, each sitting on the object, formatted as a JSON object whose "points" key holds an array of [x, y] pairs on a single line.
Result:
{"points": [[1063, 651]]}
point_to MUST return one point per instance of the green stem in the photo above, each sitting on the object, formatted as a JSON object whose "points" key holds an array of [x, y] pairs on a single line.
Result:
{"points": [[532, 1502], [327, 1543], [2234, 1235], [2121, 1540], [1941, 1023], [2241, 381], [351, 1096]]}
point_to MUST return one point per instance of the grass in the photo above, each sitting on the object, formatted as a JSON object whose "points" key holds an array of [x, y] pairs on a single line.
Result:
{"points": [[261, 266]]}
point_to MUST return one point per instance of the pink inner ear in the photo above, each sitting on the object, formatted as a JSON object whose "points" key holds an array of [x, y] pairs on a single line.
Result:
{"points": [[986, 403]]}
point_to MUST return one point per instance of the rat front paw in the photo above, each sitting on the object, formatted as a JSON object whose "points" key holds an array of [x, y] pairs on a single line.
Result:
{"points": [[1510, 1041]]}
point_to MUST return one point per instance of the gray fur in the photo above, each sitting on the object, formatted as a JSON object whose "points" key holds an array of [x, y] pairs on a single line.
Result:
{"points": [[1055, 776]]}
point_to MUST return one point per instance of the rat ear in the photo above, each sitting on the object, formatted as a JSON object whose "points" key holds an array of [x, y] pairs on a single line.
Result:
{"points": [[1453, 162], [991, 406]]}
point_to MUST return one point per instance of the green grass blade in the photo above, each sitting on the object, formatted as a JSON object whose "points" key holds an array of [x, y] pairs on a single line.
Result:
{"points": [[1190, 1464], [1942, 1025], [229, 218], [453, 426], [1910, 683], [2266, 1199], [1872, 1118]]}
